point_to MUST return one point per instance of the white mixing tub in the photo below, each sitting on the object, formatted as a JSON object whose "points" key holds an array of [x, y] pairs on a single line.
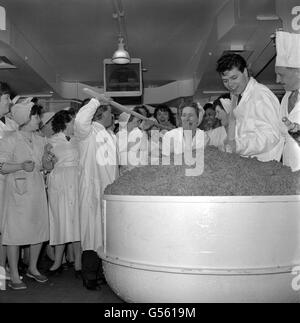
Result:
{"points": [[202, 249]]}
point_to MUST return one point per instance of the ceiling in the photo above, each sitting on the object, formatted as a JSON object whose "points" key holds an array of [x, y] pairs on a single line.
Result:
{"points": [[66, 41]]}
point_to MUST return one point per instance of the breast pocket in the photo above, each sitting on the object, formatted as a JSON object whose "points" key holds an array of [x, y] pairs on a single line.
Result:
{"points": [[20, 184]]}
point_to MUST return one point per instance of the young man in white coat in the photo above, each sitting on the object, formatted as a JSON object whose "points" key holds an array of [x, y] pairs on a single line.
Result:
{"points": [[255, 127], [288, 74], [98, 168]]}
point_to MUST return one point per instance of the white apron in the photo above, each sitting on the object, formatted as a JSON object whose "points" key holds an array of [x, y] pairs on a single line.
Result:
{"points": [[63, 195], [291, 151], [25, 212]]}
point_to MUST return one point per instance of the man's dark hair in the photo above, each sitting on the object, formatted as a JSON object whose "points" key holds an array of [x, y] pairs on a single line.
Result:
{"points": [[228, 61], [99, 112]]}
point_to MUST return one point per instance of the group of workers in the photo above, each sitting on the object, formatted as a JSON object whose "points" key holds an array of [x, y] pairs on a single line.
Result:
{"points": [[250, 125]]}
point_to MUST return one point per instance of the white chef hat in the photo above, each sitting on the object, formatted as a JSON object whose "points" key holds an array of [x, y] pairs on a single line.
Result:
{"points": [[288, 49]]}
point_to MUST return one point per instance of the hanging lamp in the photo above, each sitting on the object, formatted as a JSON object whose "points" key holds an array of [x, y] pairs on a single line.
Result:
{"points": [[121, 56]]}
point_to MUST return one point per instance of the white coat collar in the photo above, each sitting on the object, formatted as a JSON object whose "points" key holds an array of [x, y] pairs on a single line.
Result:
{"points": [[252, 82]]}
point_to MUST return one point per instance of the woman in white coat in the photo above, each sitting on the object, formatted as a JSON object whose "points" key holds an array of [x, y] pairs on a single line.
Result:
{"points": [[6, 125], [25, 214], [218, 136], [63, 192]]}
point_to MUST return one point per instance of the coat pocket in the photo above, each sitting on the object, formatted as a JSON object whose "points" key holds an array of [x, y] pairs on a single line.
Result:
{"points": [[20, 185]]}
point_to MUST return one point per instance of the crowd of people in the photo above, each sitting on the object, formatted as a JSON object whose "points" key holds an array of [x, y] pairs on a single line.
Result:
{"points": [[65, 207]]}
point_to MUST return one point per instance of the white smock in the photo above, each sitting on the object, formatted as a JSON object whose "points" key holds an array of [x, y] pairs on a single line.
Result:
{"points": [[25, 212], [217, 137], [259, 130], [9, 125], [291, 150], [63, 192], [96, 144]]}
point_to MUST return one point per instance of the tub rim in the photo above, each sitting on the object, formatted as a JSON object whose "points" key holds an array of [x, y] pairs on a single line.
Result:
{"points": [[196, 270], [203, 199]]}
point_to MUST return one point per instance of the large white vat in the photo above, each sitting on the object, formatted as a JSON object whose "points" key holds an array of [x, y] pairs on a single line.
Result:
{"points": [[202, 249]]}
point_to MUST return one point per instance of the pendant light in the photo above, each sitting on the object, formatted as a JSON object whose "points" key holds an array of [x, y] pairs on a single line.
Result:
{"points": [[121, 56]]}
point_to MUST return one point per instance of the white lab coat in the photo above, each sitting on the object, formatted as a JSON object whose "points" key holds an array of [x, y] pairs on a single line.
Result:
{"points": [[93, 177], [9, 125], [217, 137], [259, 130], [25, 212], [6, 127], [291, 150], [63, 192]]}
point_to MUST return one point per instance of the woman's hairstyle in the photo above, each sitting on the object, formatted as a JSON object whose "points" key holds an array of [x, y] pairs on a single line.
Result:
{"points": [[217, 103], [36, 110], [60, 121], [208, 106], [192, 105], [165, 108], [4, 88], [138, 109], [228, 61]]}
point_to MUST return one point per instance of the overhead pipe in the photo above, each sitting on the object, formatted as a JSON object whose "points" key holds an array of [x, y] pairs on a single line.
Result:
{"points": [[119, 15]]}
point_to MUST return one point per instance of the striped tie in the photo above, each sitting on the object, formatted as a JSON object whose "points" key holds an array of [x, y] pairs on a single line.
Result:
{"points": [[293, 98]]}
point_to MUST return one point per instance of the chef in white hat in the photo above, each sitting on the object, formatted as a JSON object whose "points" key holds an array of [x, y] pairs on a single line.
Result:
{"points": [[288, 74]]}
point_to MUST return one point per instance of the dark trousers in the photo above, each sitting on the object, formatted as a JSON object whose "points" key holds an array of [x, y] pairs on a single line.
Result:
{"points": [[91, 265]]}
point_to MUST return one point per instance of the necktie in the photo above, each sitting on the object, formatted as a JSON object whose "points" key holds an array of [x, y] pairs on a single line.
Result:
{"points": [[292, 100], [239, 98]]}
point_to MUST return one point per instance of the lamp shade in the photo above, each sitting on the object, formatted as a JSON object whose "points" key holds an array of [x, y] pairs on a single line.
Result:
{"points": [[121, 56]]}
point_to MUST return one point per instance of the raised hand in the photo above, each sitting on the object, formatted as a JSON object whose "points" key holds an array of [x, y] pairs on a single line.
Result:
{"points": [[100, 97], [292, 127]]}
